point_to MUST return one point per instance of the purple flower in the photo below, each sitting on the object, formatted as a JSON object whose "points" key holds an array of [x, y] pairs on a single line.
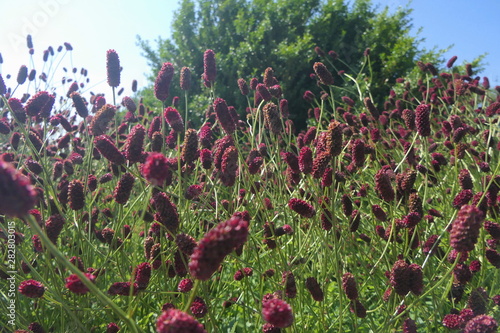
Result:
{"points": [[209, 68], [465, 228], [242, 85], [75, 285], [223, 116], [163, 80], [166, 211], [99, 122], [176, 321], [142, 275], [156, 169], [133, 149], [216, 245], [277, 313], [123, 189], [349, 286], [301, 207], [314, 288], [185, 79], [383, 185], [324, 75], [31, 289], [113, 68], [198, 307], [17, 195], [79, 104], [481, 324], [174, 119], [185, 285], [76, 195], [107, 148], [272, 118], [422, 120]]}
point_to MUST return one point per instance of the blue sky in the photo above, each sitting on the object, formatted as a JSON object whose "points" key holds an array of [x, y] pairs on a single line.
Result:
{"points": [[94, 26], [469, 26]]}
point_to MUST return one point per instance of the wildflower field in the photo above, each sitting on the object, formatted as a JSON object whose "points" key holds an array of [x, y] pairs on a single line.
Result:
{"points": [[377, 217]]}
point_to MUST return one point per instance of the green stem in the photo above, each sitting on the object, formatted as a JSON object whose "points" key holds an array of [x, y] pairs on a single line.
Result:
{"points": [[92, 287]]}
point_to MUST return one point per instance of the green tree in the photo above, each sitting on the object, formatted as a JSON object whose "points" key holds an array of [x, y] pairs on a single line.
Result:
{"points": [[250, 35]]}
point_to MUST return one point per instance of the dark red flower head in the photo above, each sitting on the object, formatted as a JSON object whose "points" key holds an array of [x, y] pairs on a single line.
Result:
{"points": [[277, 313], [166, 211], [142, 275], [75, 285], [209, 68], [35, 327], [216, 245], [123, 289], [223, 116], [314, 288], [39, 104], [72, 88], [133, 148], [156, 169], [123, 189], [481, 324], [163, 81], [54, 226], [185, 285], [465, 228], [31, 288], [107, 148], [371, 108], [176, 321], [185, 243], [301, 207], [349, 286], [99, 122], [190, 152], [453, 321], [383, 185], [185, 80], [113, 68], [22, 75], [17, 195], [79, 104], [112, 328], [16, 105], [272, 118], [324, 75], [129, 104], [3, 88], [422, 120], [76, 195], [409, 326], [451, 61], [263, 92], [288, 279], [400, 277], [198, 307], [174, 119], [242, 84]]}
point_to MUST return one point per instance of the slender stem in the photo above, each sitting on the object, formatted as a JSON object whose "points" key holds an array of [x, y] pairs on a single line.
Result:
{"points": [[90, 285]]}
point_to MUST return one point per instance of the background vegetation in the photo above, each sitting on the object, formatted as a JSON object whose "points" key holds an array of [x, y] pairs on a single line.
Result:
{"points": [[249, 36]]}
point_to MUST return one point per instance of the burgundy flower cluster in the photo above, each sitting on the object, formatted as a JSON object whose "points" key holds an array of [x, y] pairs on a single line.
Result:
{"points": [[216, 245]]}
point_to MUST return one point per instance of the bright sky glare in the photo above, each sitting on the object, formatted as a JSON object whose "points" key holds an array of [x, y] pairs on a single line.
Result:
{"points": [[92, 27]]}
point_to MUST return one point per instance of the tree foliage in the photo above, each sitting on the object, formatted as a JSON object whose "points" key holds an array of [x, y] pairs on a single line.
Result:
{"points": [[250, 35]]}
